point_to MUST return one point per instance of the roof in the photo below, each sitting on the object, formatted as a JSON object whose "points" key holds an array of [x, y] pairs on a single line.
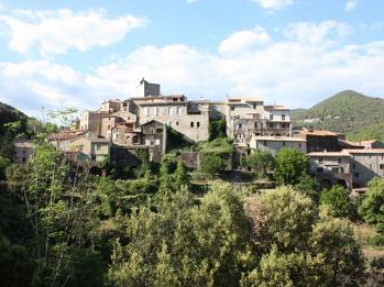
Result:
{"points": [[365, 151], [342, 153], [369, 142], [280, 139], [275, 107], [65, 135], [147, 98], [24, 144], [319, 133]]}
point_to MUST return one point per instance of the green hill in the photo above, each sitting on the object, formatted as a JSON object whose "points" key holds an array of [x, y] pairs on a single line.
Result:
{"points": [[357, 116], [9, 114]]}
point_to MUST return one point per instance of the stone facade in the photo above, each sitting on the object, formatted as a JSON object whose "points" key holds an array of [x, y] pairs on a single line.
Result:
{"points": [[357, 165], [274, 144], [247, 117], [23, 152]]}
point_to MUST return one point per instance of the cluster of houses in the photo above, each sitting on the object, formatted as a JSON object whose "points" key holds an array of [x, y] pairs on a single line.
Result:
{"points": [[120, 128]]}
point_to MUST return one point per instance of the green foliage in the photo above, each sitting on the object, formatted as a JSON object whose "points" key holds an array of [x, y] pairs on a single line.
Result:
{"points": [[177, 141], [372, 206], [261, 162], [350, 113], [181, 176], [282, 217], [217, 129], [4, 163], [218, 146], [157, 252], [337, 202], [211, 165], [16, 266], [291, 165], [309, 187], [299, 248]]}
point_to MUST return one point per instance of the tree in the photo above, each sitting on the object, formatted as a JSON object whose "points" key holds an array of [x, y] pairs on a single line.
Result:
{"points": [[291, 164], [211, 164], [261, 162], [4, 163], [340, 259], [282, 217], [308, 186], [337, 201], [372, 205], [182, 244], [181, 175]]}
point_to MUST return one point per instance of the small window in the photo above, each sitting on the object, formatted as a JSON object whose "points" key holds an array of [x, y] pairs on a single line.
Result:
{"points": [[98, 147], [24, 159], [271, 117], [198, 124], [232, 108], [177, 123], [192, 124], [299, 144], [381, 166], [159, 131], [356, 174], [265, 143], [283, 117], [320, 160], [254, 105], [284, 143], [339, 160]]}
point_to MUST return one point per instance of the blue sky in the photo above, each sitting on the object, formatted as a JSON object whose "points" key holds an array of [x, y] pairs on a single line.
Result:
{"points": [[293, 52]]}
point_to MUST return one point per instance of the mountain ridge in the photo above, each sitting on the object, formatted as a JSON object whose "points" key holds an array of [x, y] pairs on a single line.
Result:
{"points": [[354, 114]]}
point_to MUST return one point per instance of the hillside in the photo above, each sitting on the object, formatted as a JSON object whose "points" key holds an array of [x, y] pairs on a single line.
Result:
{"points": [[357, 116], [9, 114]]}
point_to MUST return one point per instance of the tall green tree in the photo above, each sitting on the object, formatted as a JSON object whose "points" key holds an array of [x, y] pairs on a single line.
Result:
{"points": [[291, 164], [261, 162], [372, 206], [337, 202]]}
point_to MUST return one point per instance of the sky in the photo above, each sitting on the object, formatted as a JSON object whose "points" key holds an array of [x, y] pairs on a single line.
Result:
{"points": [[56, 54]]}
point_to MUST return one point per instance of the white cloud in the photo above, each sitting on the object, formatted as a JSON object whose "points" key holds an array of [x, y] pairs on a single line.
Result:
{"points": [[274, 4], [243, 41], [56, 32], [294, 72], [320, 34], [351, 5]]}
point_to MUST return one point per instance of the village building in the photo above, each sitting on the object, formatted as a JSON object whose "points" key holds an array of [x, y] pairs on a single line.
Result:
{"points": [[23, 151], [274, 144], [353, 168], [318, 140]]}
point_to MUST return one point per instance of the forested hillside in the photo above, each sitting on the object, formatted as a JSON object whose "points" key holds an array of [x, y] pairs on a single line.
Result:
{"points": [[357, 116]]}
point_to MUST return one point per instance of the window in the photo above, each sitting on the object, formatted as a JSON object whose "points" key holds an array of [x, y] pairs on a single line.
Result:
{"points": [[255, 126], [98, 147], [178, 111], [271, 117], [239, 126], [232, 108], [192, 124], [254, 105], [169, 111], [356, 174], [283, 117], [320, 160], [284, 143], [177, 123], [146, 112], [159, 131], [198, 124], [339, 160], [299, 144], [381, 166], [264, 142], [157, 111], [116, 136]]}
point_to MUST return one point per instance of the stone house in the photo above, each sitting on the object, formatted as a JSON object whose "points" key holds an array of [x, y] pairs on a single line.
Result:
{"points": [[354, 166], [23, 151], [274, 144], [247, 117], [320, 140], [90, 148], [154, 138]]}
